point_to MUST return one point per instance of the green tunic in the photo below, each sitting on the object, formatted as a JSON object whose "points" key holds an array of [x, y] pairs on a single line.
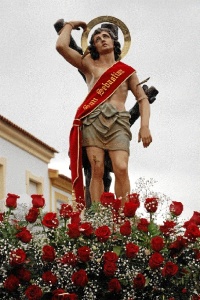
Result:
{"points": [[107, 128]]}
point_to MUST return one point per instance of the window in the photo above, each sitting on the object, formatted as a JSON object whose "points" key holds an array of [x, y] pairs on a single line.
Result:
{"points": [[34, 184], [2, 177]]}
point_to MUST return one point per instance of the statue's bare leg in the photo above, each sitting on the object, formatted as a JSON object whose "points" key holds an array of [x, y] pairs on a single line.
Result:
{"points": [[96, 158], [119, 160]]}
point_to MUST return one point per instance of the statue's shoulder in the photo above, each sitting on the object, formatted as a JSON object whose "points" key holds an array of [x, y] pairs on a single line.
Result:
{"points": [[87, 59]]}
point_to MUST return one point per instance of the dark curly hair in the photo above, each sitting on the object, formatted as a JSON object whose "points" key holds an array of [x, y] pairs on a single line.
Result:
{"points": [[92, 49]]}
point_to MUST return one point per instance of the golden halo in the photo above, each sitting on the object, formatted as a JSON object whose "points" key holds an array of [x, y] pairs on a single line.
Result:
{"points": [[109, 19]]}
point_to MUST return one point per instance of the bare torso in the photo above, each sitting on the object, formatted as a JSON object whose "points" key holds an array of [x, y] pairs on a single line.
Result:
{"points": [[118, 99]]}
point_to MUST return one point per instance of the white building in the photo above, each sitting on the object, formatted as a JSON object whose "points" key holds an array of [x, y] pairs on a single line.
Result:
{"points": [[24, 169]]}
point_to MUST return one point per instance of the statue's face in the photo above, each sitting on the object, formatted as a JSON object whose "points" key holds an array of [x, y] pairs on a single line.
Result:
{"points": [[103, 42]]}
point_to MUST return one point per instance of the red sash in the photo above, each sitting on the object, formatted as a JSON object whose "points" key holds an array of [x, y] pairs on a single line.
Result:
{"points": [[106, 85]]}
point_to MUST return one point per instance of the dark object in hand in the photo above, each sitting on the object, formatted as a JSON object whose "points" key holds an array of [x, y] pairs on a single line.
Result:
{"points": [[59, 25]]}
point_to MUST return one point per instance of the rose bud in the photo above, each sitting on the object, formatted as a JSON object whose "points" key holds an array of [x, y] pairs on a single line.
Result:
{"points": [[11, 201], [176, 208]]}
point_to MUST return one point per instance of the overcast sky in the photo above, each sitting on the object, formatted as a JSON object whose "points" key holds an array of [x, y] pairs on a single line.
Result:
{"points": [[40, 91]]}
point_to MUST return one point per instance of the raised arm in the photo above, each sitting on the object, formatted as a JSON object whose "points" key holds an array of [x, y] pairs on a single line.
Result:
{"points": [[63, 41], [144, 108]]}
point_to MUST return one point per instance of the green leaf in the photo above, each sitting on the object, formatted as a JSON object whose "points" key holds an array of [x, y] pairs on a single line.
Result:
{"points": [[117, 249], [153, 229]]}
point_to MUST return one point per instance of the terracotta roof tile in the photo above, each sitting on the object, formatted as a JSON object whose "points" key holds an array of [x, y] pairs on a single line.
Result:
{"points": [[26, 133]]}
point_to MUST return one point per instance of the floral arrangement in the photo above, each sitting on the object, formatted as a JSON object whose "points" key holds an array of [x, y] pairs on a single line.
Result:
{"points": [[106, 252]]}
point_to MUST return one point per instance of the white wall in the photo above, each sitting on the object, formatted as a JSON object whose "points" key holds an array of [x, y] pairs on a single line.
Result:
{"points": [[18, 162]]}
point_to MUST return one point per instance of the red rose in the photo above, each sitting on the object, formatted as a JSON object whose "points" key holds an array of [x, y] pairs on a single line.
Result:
{"points": [[125, 229], [114, 286], [86, 229], [170, 269], [109, 268], [80, 278], [65, 211], [192, 232], [196, 218], [196, 297], [168, 227], [131, 250], [33, 292], [24, 235], [11, 201], [176, 208], [56, 293], [116, 204], [65, 296], [48, 253], [110, 256], [50, 220], [156, 260], [107, 199], [151, 204], [130, 209], [73, 230], [38, 201], [103, 233], [23, 274], [177, 245], [72, 297], [197, 254], [75, 217], [188, 223], [84, 253], [134, 197], [80, 204], [32, 215], [2, 216], [139, 281], [157, 243], [69, 258], [11, 283], [17, 257], [49, 277], [143, 225]]}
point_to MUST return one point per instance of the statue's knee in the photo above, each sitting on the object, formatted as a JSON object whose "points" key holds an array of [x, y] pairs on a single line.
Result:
{"points": [[121, 169]]}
